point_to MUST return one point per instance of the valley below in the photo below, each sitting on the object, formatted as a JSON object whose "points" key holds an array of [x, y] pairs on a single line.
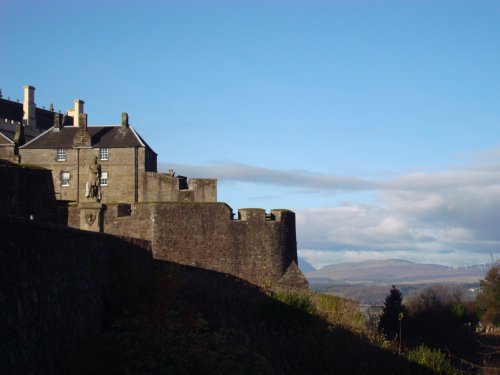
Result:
{"points": [[368, 282]]}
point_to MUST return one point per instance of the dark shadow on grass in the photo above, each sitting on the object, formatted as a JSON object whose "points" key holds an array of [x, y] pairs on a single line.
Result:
{"points": [[195, 321]]}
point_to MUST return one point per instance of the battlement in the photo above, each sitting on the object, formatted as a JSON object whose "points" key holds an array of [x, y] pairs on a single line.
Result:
{"points": [[259, 214]]}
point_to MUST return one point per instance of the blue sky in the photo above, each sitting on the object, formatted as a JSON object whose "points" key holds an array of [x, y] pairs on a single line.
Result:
{"points": [[378, 122]]}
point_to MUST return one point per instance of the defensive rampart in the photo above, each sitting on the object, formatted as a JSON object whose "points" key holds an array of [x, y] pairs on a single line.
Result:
{"points": [[257, 247]]}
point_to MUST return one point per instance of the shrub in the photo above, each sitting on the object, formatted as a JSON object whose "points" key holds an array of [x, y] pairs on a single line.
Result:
{"points": [[297, 300], [431, 358]]}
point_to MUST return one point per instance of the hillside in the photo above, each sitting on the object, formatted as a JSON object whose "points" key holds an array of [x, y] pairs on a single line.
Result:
{"points": [[103, 305], [203, 322], [394, 271]]}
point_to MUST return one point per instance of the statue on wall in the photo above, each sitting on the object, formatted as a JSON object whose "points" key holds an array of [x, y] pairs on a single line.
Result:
{"points": [[93, 186]]}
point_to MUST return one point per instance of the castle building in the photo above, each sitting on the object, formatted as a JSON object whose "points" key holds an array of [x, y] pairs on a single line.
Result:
{"points": [[68, 150], [105, 179]]}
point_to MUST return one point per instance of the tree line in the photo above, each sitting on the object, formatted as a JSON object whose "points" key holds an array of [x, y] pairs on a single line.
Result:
{"points": [[440, 318]]}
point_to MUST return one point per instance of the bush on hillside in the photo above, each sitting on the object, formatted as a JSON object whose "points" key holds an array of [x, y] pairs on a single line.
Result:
{"points": [[339, 311], [440, 318], [433, 359], [300, 301]]}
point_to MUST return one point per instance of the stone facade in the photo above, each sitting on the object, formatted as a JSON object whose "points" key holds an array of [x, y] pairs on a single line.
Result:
{"points": [[120, 168]]}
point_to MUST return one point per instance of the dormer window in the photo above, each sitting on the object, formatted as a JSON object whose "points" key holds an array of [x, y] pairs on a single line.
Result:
{"points": [[61, 154], [103, 153]]}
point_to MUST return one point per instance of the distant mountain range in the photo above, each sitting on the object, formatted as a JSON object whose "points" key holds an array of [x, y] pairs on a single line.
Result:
{"points": [[395, 271]]}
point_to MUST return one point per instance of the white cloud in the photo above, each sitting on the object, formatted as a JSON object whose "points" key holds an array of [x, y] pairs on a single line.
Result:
{"points": [[309, 181], [454, 226]]}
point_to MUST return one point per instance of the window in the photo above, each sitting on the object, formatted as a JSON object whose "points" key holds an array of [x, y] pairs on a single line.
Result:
{"points": [[65, 177], [103, 153], [104, 178], [61, 154]]}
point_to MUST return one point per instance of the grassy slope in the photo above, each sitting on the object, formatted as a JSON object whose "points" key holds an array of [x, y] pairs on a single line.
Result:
{"points": [[192, 321]]}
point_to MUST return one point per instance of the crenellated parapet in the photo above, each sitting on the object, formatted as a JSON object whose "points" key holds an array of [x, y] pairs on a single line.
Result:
{"points": [[257, 246], [259, 214]]}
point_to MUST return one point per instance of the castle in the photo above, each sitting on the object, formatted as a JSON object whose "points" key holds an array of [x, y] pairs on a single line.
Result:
{"points": [[105, 179]]}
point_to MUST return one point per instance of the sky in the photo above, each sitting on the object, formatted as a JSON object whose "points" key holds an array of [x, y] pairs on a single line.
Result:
{"points": [[377, 122]]}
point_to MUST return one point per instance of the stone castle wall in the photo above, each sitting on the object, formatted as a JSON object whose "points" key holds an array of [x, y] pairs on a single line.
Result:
{"points": [[257, 247], [204, 235], [57, 287]]}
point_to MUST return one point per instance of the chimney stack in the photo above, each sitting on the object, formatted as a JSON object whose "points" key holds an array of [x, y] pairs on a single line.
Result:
{"points": [[82, 137], [82, 120], [124, 120], [77, 112], [29, 107], [58, 121], [19, 135]]}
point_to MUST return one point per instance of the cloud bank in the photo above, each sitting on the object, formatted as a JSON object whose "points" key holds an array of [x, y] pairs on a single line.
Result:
{"points": [[449, 217]]}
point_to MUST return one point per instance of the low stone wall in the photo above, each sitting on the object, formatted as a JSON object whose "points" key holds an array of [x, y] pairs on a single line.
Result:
{"points": [[57, 288]]}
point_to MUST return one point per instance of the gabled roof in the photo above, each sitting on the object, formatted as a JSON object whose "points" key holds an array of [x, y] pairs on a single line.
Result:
{"points": [[4, 140], [9, 130], [101, 136]]}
